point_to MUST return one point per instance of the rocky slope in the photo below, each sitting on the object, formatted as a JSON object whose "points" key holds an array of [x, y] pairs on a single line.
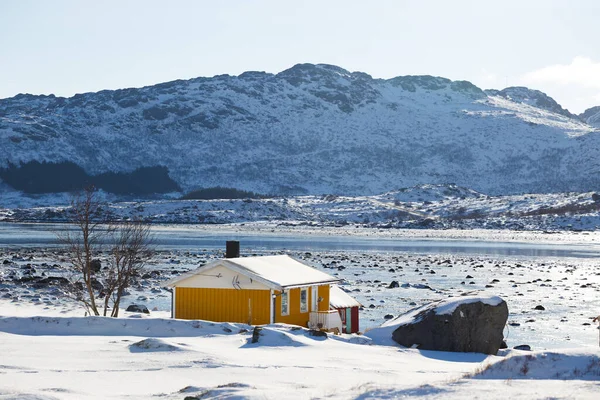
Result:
{"points": [[534, 98], [591, 116], [311, 129], [423, 206]]}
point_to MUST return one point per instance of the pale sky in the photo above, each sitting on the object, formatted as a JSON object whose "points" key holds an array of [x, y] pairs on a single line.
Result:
{"points": [[67, 47]]}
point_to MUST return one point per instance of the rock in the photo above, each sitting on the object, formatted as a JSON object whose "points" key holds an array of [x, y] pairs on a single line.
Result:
{"points": [[139, 308], [503, 345], [256, 334], [97, 285], [393, 284], [525, 347], [51, 281], [95, 266], [465, 324], [314, 332], [388, 316], [540, 308]]}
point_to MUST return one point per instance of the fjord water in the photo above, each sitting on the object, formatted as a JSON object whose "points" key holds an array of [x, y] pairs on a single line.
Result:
{"points": [[189, 238]]}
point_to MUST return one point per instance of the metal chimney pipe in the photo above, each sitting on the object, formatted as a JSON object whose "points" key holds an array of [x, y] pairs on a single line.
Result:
{"points": [[232, 249]]}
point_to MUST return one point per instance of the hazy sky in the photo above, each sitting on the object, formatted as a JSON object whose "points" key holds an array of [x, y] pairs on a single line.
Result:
{"points": [[68, 47]]}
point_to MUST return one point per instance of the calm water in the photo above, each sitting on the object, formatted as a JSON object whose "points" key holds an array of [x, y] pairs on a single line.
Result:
{"points": [[184, 237]]}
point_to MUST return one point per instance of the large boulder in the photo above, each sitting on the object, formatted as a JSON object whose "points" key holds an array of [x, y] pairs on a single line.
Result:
{"points": [[463, 324]]}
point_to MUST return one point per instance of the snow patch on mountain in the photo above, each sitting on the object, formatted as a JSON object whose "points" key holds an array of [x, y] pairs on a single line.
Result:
{"points": [[532, 97]]}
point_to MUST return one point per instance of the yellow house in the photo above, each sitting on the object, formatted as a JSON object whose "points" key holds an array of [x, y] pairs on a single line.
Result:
{"points": [[256, 290]]}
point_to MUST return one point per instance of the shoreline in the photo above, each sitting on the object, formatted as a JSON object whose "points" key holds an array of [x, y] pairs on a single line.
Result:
{"points": [[584, 238], [476, 235]]}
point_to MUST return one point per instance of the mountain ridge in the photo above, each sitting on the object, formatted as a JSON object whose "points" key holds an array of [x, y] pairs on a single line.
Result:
{"points": [[310, 129]]}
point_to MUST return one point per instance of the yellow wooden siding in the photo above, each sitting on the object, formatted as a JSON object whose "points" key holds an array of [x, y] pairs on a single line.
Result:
{"points": [[296, 317], [223, 305], [323, 305]]}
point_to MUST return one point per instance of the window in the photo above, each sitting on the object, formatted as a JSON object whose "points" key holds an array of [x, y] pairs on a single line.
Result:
{"points": [[285, 306], [303, 300]]}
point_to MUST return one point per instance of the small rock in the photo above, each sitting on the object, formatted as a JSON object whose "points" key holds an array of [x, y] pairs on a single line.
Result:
{"points": [[317, 333], [393, 284], [524, 347], [256, 334], [539, 307], [139, 308], [95, 266]]}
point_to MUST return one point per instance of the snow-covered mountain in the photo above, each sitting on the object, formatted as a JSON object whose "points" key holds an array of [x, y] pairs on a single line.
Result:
{"points": [[311, 129], [591, 116]]}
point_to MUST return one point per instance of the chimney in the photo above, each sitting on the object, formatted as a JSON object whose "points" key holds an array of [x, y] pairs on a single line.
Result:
{"points": [[232, 249]]}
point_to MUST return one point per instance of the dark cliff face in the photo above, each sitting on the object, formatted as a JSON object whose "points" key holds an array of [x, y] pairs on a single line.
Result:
{"points": [[309, 129]]}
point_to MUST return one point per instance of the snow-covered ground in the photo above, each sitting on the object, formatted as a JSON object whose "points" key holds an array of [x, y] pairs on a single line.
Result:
{"points": [[136, 357], [49, 350]]}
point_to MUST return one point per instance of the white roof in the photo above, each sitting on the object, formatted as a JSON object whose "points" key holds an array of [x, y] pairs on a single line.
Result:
{"points": [[276, 272], [340, 299]]}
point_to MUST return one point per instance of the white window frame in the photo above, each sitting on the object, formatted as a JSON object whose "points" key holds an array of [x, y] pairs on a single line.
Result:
{"points": [[285, 295], [304, 304]]}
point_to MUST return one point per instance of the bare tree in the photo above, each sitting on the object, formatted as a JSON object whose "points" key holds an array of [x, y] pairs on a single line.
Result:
{"points": [[128, 255], [83, 243], [127, 245]]}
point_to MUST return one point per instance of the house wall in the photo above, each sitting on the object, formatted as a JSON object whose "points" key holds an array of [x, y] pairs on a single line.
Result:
{"points": [[221, 277], [223, 305], [355, 324], [324, 294], [296, 317]]}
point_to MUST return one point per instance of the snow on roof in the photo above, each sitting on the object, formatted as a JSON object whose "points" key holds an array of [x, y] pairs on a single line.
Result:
{"points": [[277, 272], [340, 299]]}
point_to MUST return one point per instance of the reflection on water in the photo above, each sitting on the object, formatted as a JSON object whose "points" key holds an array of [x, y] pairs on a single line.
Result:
{"points": [[187, 238]]}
